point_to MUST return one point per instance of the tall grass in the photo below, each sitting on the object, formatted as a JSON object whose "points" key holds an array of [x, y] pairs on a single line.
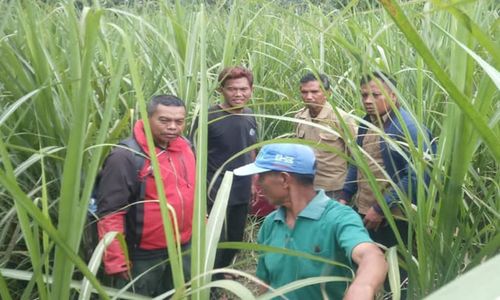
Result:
{"points": [[73, 80]]}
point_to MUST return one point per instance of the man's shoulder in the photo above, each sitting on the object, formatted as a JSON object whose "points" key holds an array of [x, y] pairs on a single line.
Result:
{"points": [[328, 114], [396, 126], [247, 110], [214, 110], [123, 151], [303, 113], [120, 158], [269, 219], [185, 142], [181, 144], [338, 212]]}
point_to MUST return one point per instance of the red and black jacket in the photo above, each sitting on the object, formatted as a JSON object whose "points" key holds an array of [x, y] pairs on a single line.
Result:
{"points": [[140, 220]]}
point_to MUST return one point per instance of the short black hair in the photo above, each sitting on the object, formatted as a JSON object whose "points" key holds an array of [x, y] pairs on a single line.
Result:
{"points": [[320, 77], [166, 100], [380, 76], [304, 179]]}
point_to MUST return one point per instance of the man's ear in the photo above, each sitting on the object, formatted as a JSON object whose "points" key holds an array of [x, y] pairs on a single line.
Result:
{"points": [[394, 97], [328, 93], [285, 177]]}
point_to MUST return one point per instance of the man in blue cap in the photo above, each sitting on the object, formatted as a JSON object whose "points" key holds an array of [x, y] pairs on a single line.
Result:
{"points": [[308, 221]]}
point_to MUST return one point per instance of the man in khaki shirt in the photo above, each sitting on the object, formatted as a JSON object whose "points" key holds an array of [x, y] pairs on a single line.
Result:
{"points": [[331, 163]]}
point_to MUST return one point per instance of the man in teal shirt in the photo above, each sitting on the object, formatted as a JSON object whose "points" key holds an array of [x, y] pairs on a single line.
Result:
{"points": [[308, 221]]}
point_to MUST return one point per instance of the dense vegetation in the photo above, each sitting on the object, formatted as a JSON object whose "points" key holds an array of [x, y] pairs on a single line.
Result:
{"points": [[75, 76]]}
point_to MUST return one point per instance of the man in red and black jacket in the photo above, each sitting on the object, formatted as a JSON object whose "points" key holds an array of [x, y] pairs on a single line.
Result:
{"points": [[123, 207]]}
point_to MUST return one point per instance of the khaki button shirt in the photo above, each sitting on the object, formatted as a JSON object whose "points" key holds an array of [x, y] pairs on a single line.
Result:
{"points": [[331, 168], [371, 145]]}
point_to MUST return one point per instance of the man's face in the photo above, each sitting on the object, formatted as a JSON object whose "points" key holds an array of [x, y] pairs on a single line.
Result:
{"points": [[167, 123], [272, 185], [313, 95], [236, 92], [374, 98]]}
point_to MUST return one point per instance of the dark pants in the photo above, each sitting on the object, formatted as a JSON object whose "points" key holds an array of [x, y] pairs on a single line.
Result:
{"points": [[156, 274], [232, 231], [385, 236]]}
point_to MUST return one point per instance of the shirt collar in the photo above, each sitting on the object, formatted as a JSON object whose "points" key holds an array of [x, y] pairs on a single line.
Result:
{"points": [[383, 119], [313, 210], [325, 112]]}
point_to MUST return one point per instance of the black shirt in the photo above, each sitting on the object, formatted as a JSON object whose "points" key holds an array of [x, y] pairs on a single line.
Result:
{"points": [[228, 134]]}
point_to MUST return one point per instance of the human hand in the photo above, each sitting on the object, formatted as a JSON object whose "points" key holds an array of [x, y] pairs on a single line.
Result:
{"points": [[372, 219], [122, 275], [342, 201]]}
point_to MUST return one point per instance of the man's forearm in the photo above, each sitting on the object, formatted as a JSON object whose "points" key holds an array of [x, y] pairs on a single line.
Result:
{"points": [[371, 273]]}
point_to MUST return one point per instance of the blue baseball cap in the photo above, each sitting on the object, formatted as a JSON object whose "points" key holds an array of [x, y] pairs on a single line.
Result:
{"points": [[293, 158]]}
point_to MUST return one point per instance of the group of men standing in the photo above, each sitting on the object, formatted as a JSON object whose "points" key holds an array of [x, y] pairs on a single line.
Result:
{"points": [[302, 182]]}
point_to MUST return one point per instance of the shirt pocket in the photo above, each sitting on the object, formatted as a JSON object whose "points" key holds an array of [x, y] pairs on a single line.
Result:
{"points": [[312, 268], [328, 137]]}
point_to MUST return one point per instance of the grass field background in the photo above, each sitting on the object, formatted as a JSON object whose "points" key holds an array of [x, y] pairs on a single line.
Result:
{"points": [[74, 76]]}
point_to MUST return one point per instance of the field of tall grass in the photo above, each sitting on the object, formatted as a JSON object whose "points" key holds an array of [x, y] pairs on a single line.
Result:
{"points": [[74, 76]]}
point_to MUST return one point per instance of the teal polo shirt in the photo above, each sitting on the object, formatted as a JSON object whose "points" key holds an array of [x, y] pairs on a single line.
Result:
{"points": [[323, 228]]}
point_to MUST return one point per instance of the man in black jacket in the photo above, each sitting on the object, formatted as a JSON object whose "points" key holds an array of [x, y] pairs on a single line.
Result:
{"points": [[230, 130]]}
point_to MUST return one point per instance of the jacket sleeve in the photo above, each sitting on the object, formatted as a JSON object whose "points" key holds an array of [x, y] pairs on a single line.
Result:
{"points": [[350, 184], [391, 196], [117, 184], [351, 181], [407, 182], [114, 257]]}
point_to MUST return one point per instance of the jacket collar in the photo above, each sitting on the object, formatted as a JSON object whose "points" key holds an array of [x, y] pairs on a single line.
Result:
{"points": [[176, 145]]}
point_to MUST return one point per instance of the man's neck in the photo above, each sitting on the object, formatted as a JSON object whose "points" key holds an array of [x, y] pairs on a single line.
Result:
{"points": [[379, 120], [315, 110], [299, 199], [162, 146], [230, 109]]}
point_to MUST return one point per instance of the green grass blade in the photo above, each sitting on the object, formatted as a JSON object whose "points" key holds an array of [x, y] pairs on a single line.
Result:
{"points": [[479, 283], [483, 39], [199, 250], [238, 289], [26, 276], [301, 283], [4, 290], [94, 263], [26, 203], [70, 195], [216, 221], [476, 119], [13, 107], [493, 73], [22, 214], [391, 256]]}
